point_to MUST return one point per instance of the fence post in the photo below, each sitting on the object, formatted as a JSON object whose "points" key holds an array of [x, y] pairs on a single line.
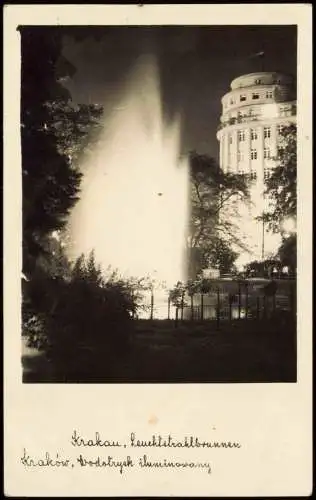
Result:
{"points": [[177, 316], [202, 306], [239, 300], [218, 310], [230, 299], [152, 305], [247, 297], [182, 305], [133, 310], [168, 307], [192, 307]]}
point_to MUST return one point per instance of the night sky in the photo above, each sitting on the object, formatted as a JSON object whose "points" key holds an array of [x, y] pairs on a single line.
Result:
{"points": [[196, 67]]}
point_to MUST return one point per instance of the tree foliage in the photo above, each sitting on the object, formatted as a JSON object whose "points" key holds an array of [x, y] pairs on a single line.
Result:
{"points": [[53, 133], [76, 127], [281, 185], [212, 232], [83, 324], [287, 252], [263, 269]]}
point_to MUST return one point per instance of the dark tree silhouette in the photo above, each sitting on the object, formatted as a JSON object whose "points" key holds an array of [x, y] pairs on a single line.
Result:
{"points": [[281, 184], [287, 252], [212, 232], [54, 133], [50, 184]]}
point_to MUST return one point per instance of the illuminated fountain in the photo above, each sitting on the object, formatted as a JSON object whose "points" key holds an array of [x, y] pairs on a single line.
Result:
{"points": [[134, 202]]}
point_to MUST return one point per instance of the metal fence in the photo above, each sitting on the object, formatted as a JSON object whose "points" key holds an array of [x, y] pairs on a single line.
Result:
{"points": [[225, 302]]}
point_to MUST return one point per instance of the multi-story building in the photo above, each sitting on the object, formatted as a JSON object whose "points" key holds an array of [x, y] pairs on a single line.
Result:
{"points": [[254, 111]]}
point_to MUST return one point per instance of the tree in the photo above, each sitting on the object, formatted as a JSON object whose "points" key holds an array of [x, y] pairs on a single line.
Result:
{"points": [[177, 294], [212, 231], [224, 256], [83, 324], [281, 184], [76, 127], [53, 135], [288, 251], [86, 269], [53, 258], [50, 185], [264, 268]]}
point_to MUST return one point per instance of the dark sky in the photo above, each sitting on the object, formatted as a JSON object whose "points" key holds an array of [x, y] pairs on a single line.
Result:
{"points": [[196, 66]]}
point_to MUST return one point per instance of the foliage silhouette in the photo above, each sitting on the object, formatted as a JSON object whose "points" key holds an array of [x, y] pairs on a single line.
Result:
{"points": [[281, 185], [212, 238], [82, 324], [53, 134]]}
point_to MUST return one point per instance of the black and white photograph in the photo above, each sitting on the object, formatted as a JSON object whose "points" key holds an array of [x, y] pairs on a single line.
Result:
{"points": [[159, 203], [158, 250]]}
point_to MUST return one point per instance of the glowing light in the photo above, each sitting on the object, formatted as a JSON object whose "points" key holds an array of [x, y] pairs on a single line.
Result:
{"points": [[134, 199], [289, 225], [56, 235]]}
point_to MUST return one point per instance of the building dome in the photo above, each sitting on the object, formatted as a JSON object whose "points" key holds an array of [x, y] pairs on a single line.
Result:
{"points": [[254, 111], [261, 78], [249, 92]]}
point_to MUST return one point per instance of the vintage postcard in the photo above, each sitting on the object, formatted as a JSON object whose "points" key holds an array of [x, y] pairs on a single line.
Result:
{"points": [[157, 250]]}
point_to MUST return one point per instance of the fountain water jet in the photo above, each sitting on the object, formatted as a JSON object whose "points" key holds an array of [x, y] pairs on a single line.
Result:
{"points": [[133, 209]]}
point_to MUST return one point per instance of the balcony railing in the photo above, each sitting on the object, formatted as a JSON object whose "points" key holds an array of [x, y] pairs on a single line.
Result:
{"points": [[237, 120], [282, 113]]}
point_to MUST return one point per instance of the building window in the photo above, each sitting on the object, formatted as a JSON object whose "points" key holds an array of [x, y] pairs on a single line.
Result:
{"points": [[241, 171], [253, 154], [258, 81], [255, 95], [266, 132], [240, 156], [230, 139], [253, 175], [269, 94], [281, 150], [240, 117], [280, 129], [267, 153], [254, 135], [243, 97], [285, 111], [241, 135], [266, 173]]}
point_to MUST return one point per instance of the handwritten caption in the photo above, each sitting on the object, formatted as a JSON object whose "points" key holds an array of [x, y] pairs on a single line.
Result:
{"points": [[138, 453]]}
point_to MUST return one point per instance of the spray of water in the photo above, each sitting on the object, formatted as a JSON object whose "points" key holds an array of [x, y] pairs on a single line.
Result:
{"points": [[134, 201]]}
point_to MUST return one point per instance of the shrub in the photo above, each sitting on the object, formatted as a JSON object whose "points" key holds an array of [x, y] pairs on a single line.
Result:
{"points": [[84, 322]]}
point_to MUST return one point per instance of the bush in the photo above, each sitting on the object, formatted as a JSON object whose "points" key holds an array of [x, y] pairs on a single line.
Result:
{"points": [[81, 323]]}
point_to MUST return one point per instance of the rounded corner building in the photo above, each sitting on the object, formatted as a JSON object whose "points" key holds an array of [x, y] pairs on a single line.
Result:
{"points": [[254, 111]]}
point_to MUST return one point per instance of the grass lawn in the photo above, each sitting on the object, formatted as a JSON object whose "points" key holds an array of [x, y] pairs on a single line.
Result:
{"points": [[240, 351]]}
